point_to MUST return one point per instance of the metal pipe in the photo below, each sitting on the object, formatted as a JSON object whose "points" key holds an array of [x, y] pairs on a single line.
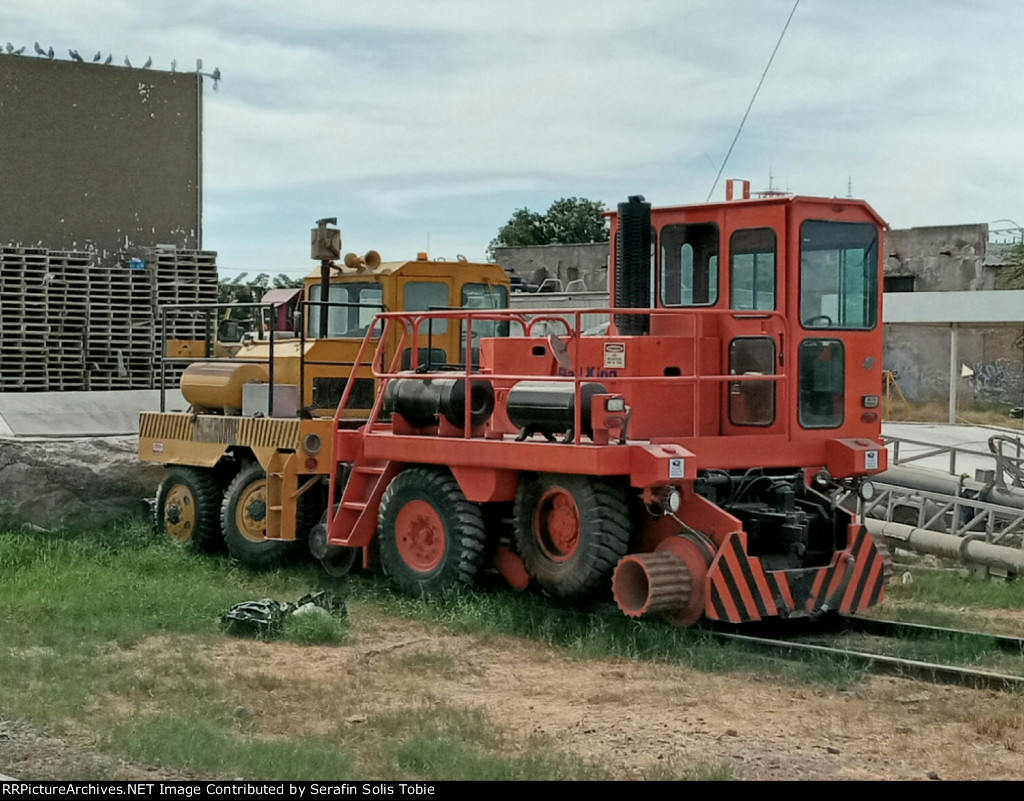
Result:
{"points": [[931, 481], [950, 546]]}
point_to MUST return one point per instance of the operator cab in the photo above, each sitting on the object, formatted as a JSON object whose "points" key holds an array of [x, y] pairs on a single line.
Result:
{"points": [[791, 288]]}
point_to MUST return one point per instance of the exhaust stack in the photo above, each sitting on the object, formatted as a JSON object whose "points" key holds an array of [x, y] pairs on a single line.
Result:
{"points": [[633, 266]]}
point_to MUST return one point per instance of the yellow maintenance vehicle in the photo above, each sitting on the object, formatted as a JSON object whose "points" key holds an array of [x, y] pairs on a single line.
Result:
{"points": [[249, 464]]}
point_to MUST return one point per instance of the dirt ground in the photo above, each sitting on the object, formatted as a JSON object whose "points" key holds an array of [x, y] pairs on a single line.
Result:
{"points": [[629, 716]]}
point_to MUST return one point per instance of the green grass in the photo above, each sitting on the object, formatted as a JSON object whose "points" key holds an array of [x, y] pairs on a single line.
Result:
{"points": [[207, 748], [317, 628], [112, 638], [600, 631], [951, 589]]}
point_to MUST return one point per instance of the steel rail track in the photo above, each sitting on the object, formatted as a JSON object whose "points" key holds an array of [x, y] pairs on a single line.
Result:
{"points": [[892, 665], [891, 628]]}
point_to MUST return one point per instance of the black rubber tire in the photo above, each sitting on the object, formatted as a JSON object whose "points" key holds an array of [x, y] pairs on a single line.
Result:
{"points": [[603, 537], [193, 487], [463, 527], [246, 550]]}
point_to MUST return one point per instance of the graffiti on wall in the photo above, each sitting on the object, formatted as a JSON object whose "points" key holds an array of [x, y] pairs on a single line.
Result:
{"points": [[1001, 381]]}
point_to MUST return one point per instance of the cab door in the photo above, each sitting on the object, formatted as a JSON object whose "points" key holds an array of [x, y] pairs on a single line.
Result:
{"points": [[754, 331]]}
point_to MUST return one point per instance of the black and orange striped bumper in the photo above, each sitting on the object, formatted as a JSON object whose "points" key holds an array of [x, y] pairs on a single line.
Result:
{"points": [[740, 590]]}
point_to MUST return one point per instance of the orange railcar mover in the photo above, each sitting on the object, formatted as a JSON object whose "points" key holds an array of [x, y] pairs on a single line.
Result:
{"points": [[689, 454]]}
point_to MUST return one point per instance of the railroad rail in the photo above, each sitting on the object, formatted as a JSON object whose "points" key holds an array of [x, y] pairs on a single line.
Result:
{"points": [[795, 644]]}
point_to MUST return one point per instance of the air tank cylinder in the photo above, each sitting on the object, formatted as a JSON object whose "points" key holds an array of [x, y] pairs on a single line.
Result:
{"points": [[548, 407], [421, 400], [215, 387]]}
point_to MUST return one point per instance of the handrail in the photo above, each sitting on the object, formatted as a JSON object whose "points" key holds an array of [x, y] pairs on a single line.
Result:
{"points": [[173, 308], [412, 321], [301, 325], [1005, 464], [270, 336]]}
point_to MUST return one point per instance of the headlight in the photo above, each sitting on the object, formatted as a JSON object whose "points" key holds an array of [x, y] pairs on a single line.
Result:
{"points": [[866, 490], [673, 500]]}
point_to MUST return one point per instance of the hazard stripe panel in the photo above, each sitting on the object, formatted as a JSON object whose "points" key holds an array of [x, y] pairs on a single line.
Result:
{"points": [[740, 590]]}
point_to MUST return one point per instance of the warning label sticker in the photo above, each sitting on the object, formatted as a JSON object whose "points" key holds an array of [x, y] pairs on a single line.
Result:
{"points": [[615, 355], [677, 468], [870, 460]]}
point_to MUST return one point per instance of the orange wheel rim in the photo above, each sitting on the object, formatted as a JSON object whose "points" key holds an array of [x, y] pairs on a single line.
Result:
{"points": [[180, 513], [419, 534], [557, 524], [251, 512]]}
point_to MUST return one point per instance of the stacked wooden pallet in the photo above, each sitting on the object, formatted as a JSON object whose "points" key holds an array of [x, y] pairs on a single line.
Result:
{"points": [[69, 323], [183, 277], [120, 351], [67, 311], [23, 319]]}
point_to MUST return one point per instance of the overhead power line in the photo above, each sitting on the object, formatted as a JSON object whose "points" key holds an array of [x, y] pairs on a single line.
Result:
{"points": [[752, 99]]}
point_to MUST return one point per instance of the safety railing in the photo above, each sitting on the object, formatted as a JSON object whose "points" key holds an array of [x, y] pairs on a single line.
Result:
{"points": [[324, 307], [211, 319], [408, 330], [962, 516], [1005, 454]]}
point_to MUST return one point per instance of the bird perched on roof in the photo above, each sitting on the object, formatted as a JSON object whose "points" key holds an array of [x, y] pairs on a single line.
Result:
{"points": [[39, 50], [148, 64], [127, 63], [108, 59], [10, 48], [19, 51], [174, 65], [75, 56], [98, 56], [49, 54]]}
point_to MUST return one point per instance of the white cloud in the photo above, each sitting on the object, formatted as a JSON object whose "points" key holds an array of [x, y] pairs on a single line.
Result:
{"points": [[476, 108]]}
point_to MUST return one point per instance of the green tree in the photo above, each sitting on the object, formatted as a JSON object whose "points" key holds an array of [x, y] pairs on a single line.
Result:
{"points": [[575, 220], [568, 221]]}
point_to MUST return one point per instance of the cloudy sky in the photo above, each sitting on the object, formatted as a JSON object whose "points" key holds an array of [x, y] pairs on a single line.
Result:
{"points": [[424, 125]]}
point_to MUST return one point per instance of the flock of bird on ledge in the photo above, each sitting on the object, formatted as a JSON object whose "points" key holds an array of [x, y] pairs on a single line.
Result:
{"points": [[11, 51]]}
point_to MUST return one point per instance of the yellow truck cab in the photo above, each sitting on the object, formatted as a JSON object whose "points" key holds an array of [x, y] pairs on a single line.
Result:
{"points": [[247, 465]]}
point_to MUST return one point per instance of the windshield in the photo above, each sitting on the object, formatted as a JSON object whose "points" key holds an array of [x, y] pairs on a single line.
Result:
{"points": [[838, 275], [350, 321]]}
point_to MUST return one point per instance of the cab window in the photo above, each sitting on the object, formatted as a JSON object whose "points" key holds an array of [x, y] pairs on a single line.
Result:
{"points": [[752, 271], [483, 297], [689, 264], [424, 296], [838, 275]]}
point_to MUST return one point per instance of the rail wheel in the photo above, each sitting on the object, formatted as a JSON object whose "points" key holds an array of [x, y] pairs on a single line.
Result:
{"points": [[187, 505], [431, 538], [570, 531], [243, 517]]}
